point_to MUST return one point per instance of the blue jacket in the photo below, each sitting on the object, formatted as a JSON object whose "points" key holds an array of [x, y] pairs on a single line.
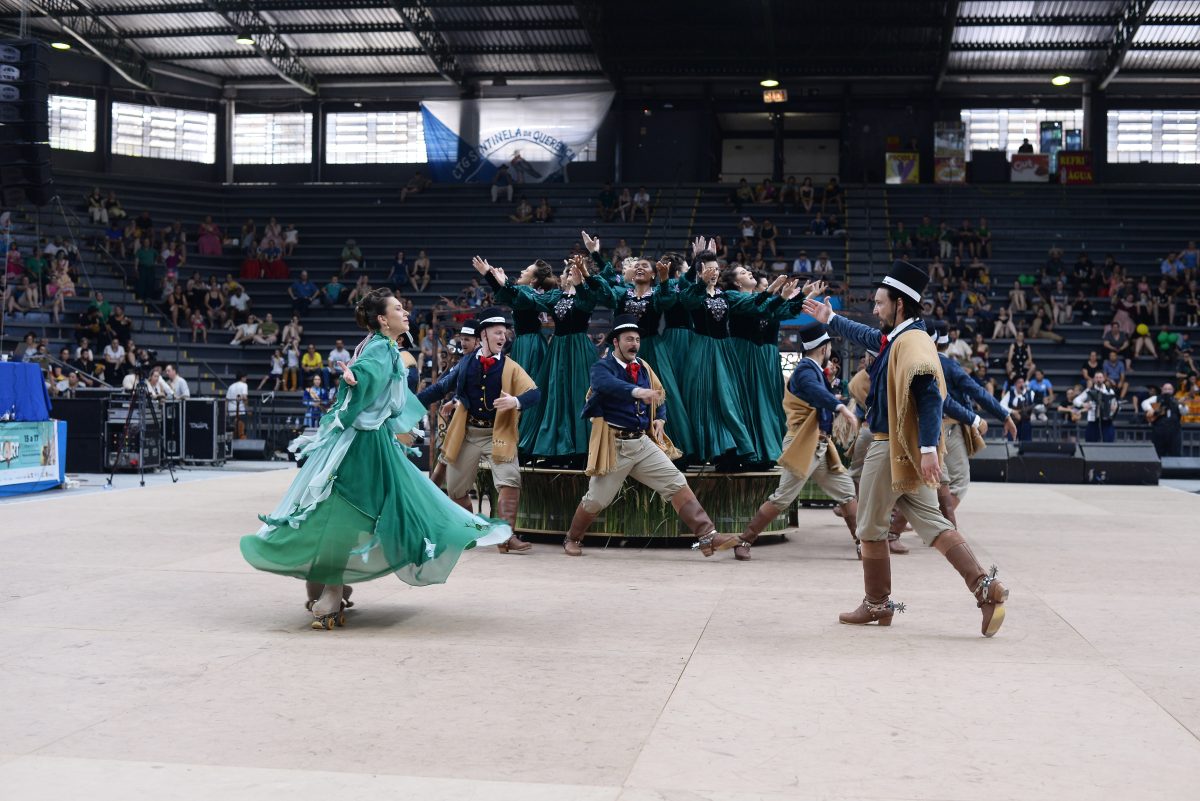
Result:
{"points": [[612, 396], [967, 391], [808, 384], [930, 408], [475, 390]]}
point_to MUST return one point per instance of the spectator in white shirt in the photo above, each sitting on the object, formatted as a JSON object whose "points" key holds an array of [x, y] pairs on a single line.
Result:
{"points": [[822, 266], [246, 332], [236, 396], [176, 383], [156, 387], [641, 201], [239, 302], [114, 356], [339, 357], [959, 350]]}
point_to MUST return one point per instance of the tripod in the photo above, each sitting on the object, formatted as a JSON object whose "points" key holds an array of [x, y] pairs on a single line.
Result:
{"points": [[141, 401]]}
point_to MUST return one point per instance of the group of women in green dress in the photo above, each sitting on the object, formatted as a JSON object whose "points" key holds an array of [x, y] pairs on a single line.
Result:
{"points": [[709, 332]]}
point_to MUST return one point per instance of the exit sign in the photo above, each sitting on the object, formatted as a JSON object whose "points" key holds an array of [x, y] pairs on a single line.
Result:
{"points": [[774, 95]]}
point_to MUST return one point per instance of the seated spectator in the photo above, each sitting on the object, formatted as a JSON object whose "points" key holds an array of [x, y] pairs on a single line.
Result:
{"points": [[36, 267], [625, 203], [23, 298], [502, 183], [1116, 341], [1004, 327], [417, 184], [268, 331], [245, 333], [291, 368], [1042, 388], [177, 385], [768, 232], [292, 332], [980, 351], [789, 193], [198, 326], [1115, 372], [544, 213], [302, 293], [641, 202], [360, 291], [1142, 341], [274, 373], [606, 203], [397, 277], [621, 252], [1164, 303], [311, 364], [144, 224], [339, 357], [1170, 266], [523, 213], [270, 254], [823, 266], [1018, 301], [208, 238], [113, 207], [316, 401], [1082, 307], [779, 264], [1042, 327], [802, 265], [819, 226], [959, 349], [333, 293], [983, 239], [422, 272], [353, 256], [156, 385], [114, 358], [740, 195], [239, 304], [291, 239], [900, 238], [95, 207], [765, 193], [807, 194], [926, 239], [967, 239], [833, 196]]}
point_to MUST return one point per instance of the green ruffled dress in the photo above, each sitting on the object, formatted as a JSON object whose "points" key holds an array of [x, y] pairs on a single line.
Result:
{"points": [[529, 351], [358, 509], [754, 337]]}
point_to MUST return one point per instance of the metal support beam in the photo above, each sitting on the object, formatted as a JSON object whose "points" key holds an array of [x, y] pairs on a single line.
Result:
{"points": [[591, 16], [93, 33], [359, 27], [948, 26], [419, 19], [1132, 16], [334, 52], [268, 44]]}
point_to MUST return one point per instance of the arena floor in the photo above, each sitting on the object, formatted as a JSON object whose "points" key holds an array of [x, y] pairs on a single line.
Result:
{"points": [[142, 658]]}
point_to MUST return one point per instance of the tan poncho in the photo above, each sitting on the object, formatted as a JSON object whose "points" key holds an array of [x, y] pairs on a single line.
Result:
{"points": [[513, 380], [803, 423], [908, 357], [602, 445]]}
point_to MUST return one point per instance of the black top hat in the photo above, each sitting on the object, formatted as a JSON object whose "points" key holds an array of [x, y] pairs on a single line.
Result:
{"points": [[813, 336], [487, 318], [623, 322], [939, 332], [907, 279], [470, 328]]}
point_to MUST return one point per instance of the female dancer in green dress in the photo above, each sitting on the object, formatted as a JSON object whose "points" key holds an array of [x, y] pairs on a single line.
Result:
{"points": [[562, 434], [677, 334], [358, 509]]}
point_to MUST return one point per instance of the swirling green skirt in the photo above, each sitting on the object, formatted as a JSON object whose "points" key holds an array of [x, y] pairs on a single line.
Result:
{"points": [[712, 397], [366, 512], [565, 378], [761, 394], [529, 351], [679, 427]]}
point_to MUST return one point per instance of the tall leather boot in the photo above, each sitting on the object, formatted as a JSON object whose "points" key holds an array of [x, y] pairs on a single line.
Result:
{"points": [[899, 523], [465, 502], [850, 515], [438, 476], [877, 605], [506, 509], [946, 503], [989, 593], [700, 524], [762, 518], [573, 543]]}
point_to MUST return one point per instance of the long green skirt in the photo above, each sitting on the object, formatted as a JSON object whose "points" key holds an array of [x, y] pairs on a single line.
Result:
{"points": [[565, 380], [761, 408], [359, 510], [679, 427], [678, 344], [529, 351], [712, 397]]}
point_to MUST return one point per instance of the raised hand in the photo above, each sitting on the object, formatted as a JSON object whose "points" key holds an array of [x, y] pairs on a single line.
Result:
{"points": [[814, 288], [820, 311], [499, 275], [481, 265], [777, 284], [698, 246], [791, 290], [592, 244], [664, 269]]}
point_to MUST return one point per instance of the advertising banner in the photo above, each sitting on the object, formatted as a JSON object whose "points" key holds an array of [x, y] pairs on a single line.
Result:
{"points": [[901, 168], [31, 456], [949, 170], [1075, 167], [537, 137], [1030, 167]]}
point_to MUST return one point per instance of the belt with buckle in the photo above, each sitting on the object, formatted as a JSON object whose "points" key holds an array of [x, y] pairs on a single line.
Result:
{"points": [[476, 422], [627, 433], [879, 437]]}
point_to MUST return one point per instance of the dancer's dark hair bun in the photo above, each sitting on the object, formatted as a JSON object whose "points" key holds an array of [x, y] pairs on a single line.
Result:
{"points": [[375, 303]]}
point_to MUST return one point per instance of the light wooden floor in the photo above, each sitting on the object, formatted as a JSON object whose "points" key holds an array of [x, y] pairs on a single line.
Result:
{"points": [[142, 658]]}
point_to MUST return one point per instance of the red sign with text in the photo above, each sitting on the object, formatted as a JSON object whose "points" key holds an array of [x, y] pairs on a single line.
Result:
{"points": [[1075, 167]]}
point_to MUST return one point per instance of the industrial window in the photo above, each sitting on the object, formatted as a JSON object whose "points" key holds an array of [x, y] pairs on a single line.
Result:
{"points": [[164, 133], [272, 138], [1153, 137], [375, 137], [72, 123], [1004, 128]]}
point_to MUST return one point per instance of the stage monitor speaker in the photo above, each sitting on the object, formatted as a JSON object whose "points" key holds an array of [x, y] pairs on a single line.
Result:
{"points": [[1046, 448], [1046, 469], [1125, 463], [988, 167], [254, 449], [85, 419], [991, 463], [173, 429], [203, 440]]}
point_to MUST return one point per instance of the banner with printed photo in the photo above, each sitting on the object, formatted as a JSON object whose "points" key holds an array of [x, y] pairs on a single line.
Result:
{"points": [[1030, 167], [537, 137], [31, 456], [901, 168]]}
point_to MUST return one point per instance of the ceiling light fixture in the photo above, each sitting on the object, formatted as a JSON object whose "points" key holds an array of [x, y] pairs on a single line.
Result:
{"points": [[769, 82], [244, 39], [1060, 80], [61, 45]]}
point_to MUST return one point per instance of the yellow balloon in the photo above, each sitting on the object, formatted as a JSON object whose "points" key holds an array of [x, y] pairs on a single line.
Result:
{"points": [[1143, 329]]}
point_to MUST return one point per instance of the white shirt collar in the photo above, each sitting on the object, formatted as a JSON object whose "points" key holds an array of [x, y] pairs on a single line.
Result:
{"points": [[817, 363], [617, 359], [892, 334]]}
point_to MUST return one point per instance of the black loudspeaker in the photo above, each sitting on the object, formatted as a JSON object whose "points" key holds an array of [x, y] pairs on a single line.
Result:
{"points": [[255, 449], [1046, 469], [1126, 463], [85, 419], [1046, 449], [991, 463], [173, 429], [988, 167], [24, 123]]}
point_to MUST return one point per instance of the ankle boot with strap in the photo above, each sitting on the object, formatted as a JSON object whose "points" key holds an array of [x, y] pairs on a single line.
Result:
{"points": [[877, 605], [762, 518], [989, 593], [573, 544], [507, 499], [700, 524]]}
